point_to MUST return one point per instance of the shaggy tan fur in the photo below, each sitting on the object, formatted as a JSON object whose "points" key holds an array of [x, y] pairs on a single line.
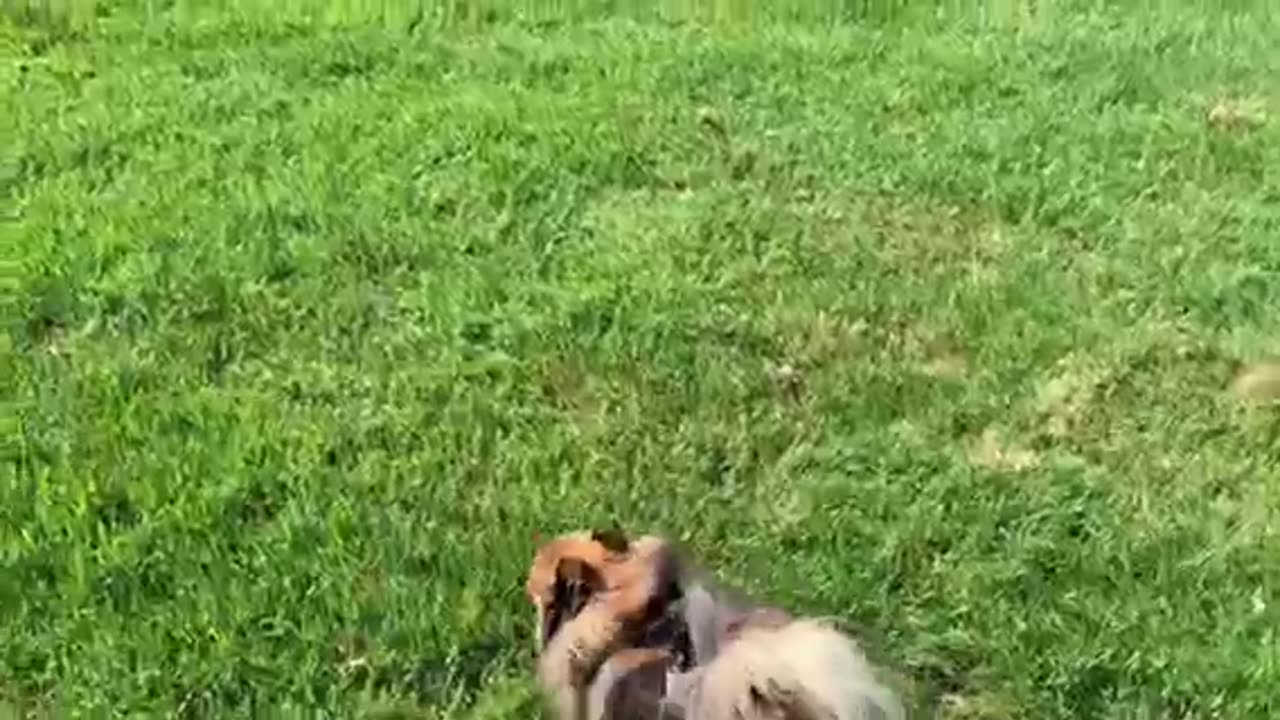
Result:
{"points": [[753, 663]]}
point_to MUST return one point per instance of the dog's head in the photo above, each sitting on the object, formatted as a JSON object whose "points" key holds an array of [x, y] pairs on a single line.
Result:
{"points": [[572, 570]]}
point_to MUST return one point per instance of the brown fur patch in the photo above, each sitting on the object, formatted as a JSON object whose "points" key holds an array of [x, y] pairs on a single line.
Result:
{"points": [[638, 692]]}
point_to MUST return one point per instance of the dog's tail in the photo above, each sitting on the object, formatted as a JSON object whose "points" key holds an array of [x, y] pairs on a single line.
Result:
{"points": [[802, 670]]}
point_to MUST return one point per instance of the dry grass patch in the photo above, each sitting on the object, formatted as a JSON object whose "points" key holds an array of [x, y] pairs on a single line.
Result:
{"points": [[1258, 383], [1236, 114], [993, 450]]}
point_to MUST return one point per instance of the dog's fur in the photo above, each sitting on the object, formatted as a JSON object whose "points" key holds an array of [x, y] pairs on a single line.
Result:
{"points": [[597, 597], [628, 631]]}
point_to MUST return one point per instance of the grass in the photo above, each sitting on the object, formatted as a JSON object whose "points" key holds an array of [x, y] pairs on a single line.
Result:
{"points": [[927, 320]]}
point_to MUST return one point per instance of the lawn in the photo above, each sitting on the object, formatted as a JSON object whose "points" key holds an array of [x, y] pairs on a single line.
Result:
{"points": [[953, 324]]}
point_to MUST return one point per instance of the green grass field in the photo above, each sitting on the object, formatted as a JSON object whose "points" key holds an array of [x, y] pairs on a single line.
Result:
{"points": [[927, 319]]}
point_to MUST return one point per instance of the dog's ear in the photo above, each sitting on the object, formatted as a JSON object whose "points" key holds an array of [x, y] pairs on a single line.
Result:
{"points": [[613, 539]]}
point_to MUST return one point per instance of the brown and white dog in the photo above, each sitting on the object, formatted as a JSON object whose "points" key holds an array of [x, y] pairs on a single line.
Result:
{"points": [[629, 631]]}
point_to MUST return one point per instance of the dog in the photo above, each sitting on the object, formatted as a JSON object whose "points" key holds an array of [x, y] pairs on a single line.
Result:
{"points": [[629, 629]]}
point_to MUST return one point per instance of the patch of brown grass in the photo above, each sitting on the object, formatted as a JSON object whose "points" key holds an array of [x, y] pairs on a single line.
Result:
{"points": [[1064, 400], [944, 359], [993, 450], [1236, 114], [1257, 383]]}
